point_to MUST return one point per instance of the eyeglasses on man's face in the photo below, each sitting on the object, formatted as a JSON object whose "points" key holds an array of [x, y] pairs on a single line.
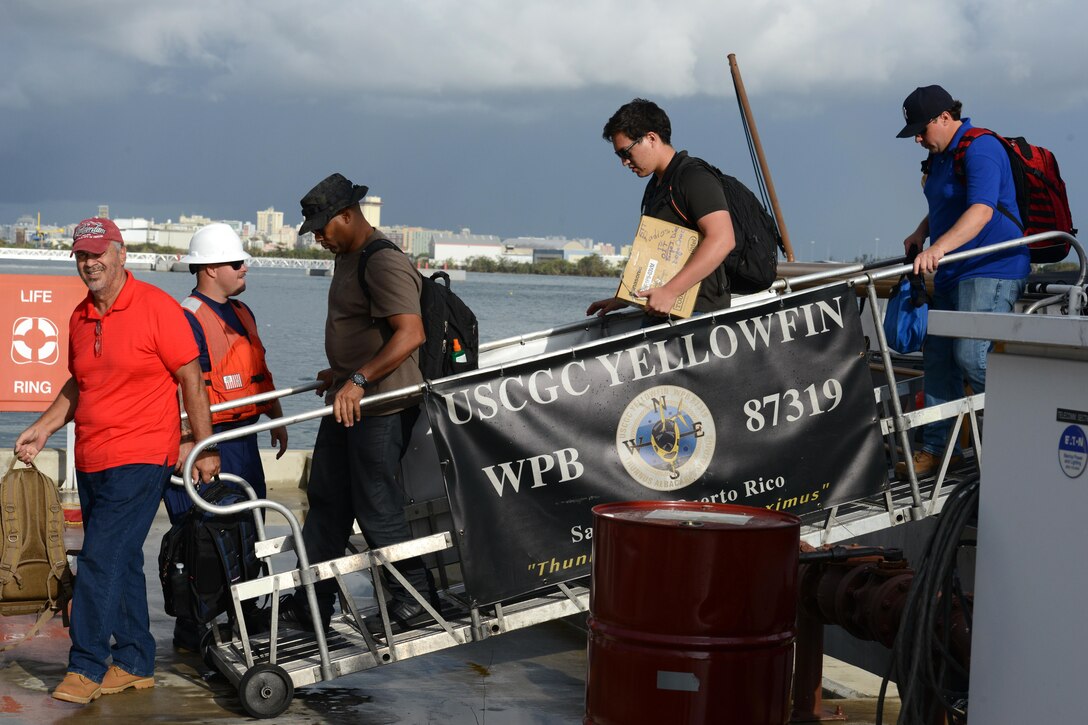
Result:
{"points": [[237, 265], [625, 152]]}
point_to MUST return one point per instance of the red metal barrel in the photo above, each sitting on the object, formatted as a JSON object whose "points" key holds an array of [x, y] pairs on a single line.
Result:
{"points": [[693, 614]]}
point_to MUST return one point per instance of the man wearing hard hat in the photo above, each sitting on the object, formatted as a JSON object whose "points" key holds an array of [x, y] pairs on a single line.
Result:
{"points": [[232, 360]]}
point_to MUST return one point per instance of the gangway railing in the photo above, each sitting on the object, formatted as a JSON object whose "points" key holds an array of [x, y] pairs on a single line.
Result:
{"points": [[840, 522]]}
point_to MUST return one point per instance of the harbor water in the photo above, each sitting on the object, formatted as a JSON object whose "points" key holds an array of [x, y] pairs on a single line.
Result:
{"points": [[290, 309]]}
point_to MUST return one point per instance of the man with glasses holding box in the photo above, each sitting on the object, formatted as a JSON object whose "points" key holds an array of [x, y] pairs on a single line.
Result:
{"points": [[129, 348], [641, 136]]}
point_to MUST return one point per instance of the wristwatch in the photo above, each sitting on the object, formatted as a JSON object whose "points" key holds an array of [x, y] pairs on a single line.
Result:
{"points": [[360, 380]]}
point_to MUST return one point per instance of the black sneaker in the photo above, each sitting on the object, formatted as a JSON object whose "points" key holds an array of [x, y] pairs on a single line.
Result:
{"points": [[187, 634], [403, 616], [295, 612], [258, 619]]}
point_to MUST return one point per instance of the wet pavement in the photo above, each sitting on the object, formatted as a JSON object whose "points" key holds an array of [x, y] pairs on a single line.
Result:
{"points": [[535, 675]]}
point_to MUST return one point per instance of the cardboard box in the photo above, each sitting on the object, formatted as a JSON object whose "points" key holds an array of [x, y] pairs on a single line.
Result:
{"points": [[659, 251]]}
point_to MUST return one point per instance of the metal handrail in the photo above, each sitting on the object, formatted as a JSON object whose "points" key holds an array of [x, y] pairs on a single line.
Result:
{"points": [[261, 397], [306, 576]]}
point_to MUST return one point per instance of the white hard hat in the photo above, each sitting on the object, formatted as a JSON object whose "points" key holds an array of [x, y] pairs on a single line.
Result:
{"points": [[215, 244]]}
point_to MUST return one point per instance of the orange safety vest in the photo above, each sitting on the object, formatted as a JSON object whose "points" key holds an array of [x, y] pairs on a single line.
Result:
{"points": [[238, 365]]}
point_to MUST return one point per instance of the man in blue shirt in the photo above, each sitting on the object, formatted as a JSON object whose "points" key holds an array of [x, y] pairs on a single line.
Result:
{"points": [[963, 214]]}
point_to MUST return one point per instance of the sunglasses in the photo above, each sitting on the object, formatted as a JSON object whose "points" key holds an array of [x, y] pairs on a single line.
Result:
{"points": [[625, 152], [237, 265]]}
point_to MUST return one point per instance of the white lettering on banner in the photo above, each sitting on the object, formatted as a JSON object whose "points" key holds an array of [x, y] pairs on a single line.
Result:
{"points": [[36, 295], [564, 462], [32, 387], [545, 386], [534, 387], [689, 349], [758, 328], [715, 346], [793, 402], [756, 486], [579, 533], [564, 378]]}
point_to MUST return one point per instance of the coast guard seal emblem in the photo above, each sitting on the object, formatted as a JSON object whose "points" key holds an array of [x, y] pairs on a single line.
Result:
{"points": [[665, 438]]}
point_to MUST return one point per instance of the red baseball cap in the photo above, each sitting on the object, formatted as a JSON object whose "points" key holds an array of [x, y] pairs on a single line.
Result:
{"points": [[94, 235]]}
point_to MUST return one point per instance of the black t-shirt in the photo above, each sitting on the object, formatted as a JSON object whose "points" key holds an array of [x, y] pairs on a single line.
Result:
{"points": [[687, 191]]}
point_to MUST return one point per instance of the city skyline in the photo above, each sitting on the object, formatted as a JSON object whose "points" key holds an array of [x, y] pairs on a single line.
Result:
{"points": [[488, 116], [269, 233]]}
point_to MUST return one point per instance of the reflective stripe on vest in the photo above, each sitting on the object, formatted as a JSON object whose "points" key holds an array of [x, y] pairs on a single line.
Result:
{"points": [[237, 361]]}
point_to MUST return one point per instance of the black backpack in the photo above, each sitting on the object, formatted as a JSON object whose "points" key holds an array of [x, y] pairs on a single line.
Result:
{"points": [[753, 264], [453, 337], [203, 555]]}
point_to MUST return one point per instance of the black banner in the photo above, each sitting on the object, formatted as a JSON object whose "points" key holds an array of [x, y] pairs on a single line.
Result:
{"points": [[767, 406]]}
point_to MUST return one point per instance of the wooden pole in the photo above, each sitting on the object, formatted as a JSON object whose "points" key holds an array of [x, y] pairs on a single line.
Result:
{"points": [[738, 84]]}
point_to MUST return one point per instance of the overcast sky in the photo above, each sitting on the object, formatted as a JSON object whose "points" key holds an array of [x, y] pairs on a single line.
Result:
{"points": [[487, 113]]}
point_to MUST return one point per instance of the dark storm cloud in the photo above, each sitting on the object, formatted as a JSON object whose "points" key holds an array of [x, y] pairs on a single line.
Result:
{"points": [[487, 114]]}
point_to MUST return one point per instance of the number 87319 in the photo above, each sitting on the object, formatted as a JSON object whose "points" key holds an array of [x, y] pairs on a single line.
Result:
{"points": [[792, 405]]}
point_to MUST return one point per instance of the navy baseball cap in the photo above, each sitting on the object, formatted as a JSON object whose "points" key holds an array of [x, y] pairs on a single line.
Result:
{"points": [[921, 107]]}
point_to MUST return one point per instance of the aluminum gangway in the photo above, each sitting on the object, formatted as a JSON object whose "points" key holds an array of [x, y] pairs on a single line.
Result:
{"points": [[267, 666]]}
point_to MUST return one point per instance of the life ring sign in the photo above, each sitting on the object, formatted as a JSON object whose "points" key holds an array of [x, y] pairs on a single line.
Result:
{"points": [[34, 310], [35, 340]]}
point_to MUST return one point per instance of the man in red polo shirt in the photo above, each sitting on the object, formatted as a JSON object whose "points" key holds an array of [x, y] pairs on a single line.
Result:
{"points": [[129, 348]]}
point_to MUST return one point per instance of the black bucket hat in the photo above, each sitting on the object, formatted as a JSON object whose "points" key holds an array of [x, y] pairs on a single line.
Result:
{"points": [[334, 194], [921, 107]]}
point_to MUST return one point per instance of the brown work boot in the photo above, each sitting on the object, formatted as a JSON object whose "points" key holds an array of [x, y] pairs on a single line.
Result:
{"points": [[117, 680], [78, 689], [925, 464]]}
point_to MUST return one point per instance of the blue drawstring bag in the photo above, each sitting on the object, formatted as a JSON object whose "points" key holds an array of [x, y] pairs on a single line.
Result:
{"points": [[906, 314]]}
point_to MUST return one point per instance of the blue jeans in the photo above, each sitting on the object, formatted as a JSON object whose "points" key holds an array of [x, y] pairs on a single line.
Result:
{"points": [[110, 595], [353, 476], [949, 361]]}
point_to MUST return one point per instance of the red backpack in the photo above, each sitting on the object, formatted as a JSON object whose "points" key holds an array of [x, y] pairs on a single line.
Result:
{"points": [[1040, 192]]}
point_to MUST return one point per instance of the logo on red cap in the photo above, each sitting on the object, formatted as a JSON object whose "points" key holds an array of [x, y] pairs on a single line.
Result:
{"points": [[94, 235]]}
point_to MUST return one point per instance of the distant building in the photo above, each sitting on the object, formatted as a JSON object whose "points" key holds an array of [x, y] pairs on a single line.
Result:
{"points": [[103, 211], [372, 210], [417, 241], [171, 234], [269, 223], [134, 230], [543, 254], [543, 248], [459, 248], [287, 237]]}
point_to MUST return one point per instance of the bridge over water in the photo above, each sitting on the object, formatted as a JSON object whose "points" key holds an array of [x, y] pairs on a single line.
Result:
{"points": [[161, 262]]}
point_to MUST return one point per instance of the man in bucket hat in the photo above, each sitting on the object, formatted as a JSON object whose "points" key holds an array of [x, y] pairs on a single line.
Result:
{"points": [[961, 216], [372, 340], [130, 348]]}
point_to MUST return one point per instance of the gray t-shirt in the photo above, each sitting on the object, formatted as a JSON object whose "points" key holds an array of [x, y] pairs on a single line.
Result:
{"points": [[356, 328]]}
